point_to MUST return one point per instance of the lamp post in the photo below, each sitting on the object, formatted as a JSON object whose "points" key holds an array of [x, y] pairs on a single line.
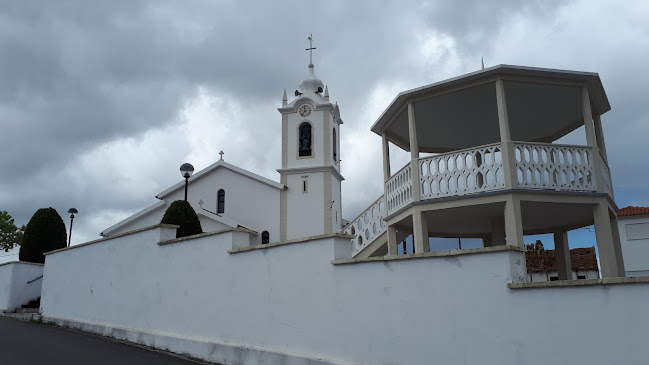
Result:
{"points": [[186, 170], [72, 212]]}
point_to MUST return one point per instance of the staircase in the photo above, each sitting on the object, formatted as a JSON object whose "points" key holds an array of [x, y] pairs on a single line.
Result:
{"points": [[369, 229], [28, 312]]}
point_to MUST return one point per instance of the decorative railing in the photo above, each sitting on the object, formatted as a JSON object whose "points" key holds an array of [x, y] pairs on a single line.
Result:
{"points": [[367, 226], [480, 169], [605, 177], [398, 189], [556, 167], [462, 172]]}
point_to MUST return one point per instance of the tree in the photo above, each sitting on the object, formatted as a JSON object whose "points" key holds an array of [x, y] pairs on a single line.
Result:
{"points": [[45, 232], [10, 235], [175, 214]]}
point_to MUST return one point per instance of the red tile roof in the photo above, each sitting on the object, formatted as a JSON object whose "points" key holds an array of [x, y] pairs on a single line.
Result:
{"points": [[581, 259], [633, 211]]}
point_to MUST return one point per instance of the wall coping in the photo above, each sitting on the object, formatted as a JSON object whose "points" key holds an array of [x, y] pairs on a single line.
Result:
{"points": [[289, 242], [582, 282], [423, 255], [205, 234], [148, 228], [21, 262]]}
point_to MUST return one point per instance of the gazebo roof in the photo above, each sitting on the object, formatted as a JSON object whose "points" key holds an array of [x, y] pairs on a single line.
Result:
{"points": [[543, 105]]}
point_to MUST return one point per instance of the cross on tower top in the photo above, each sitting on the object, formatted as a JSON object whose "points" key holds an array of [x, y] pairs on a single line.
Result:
{"points": [[221, 153], [310, 49]]}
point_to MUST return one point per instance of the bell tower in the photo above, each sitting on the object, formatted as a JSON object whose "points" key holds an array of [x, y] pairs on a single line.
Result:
{"points": [[311, 204]]}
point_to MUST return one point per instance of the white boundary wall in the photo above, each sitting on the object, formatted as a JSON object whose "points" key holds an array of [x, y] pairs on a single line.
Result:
{"points": [[290, 304], [15, 286]]}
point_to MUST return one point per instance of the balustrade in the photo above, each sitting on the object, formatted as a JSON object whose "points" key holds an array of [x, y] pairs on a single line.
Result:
{"points": [[605, 177], [462, 172], [398, 189], [367, 226], [556, 167]]}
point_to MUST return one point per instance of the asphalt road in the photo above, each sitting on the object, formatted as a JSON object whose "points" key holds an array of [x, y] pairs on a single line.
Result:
{"points": [[24, 343]]}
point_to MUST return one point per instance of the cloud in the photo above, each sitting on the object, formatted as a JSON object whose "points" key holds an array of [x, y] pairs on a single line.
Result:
{"points": [[100, 103]]}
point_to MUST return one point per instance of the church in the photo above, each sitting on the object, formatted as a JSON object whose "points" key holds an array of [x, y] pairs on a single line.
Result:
{"points": [[307, 200]]}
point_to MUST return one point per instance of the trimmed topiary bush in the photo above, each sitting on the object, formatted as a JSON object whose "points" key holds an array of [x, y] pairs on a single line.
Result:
{"points": [[175, 214], [45, 232]]}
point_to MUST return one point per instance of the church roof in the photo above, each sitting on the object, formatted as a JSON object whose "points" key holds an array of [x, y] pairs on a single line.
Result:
{"points": [[214, 166]]}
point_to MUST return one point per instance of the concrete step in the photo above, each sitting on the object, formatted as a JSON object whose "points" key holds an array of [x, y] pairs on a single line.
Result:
{"points": [[27, 310]]}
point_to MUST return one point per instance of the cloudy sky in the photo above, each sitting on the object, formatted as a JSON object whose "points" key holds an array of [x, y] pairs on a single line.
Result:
{"points": [[101, 102]]}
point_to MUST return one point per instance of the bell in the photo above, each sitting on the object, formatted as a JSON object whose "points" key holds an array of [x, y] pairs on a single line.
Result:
{"points": [[306, 146]]}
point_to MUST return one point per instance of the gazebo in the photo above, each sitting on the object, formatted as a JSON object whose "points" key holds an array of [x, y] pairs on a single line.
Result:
{"points": [[484, 164]]}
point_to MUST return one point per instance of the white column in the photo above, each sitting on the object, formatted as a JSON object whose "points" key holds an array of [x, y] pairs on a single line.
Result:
{"points": [[420, 231], [562, 250], [392, 241], [599, 135], [507, 147], [386, 157], [513, 222], [617, 247], [608, 254], [414, 153], [591, 139]]}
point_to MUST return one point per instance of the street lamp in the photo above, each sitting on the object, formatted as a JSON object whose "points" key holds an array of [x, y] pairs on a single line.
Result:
{"points": [[72, 212], [186, 170]]}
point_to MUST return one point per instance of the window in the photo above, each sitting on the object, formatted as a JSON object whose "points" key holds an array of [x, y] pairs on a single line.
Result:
{"points": [[265, 237], [335, 149], [554, 278], [581, 277], [637, 231], [220, 201], [305, 139]]}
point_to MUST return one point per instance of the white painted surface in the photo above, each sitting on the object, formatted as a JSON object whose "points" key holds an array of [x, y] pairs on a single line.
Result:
{"points": [[248, 202], [14, 287], [336, 205], [537, 277], [634, 239], [316, 118], [291, 299], [304, 211]]}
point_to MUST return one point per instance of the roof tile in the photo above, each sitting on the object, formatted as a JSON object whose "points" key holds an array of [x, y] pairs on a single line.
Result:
{"points": [[632, 211], [581, 259]]}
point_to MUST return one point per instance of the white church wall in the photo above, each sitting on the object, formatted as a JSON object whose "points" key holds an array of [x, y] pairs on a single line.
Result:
{"points": [[210, 225], [19, 283], [634, 239], [152, 218], [305, 211], [336, 206], [292, 300], [247, 201]]}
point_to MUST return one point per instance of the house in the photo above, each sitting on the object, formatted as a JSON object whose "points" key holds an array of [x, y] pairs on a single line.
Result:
{"points": [[542, 264], [633, 226]]}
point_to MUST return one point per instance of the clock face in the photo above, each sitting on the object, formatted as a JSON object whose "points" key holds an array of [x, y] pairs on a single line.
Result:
{"points": [[304, 110]]}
